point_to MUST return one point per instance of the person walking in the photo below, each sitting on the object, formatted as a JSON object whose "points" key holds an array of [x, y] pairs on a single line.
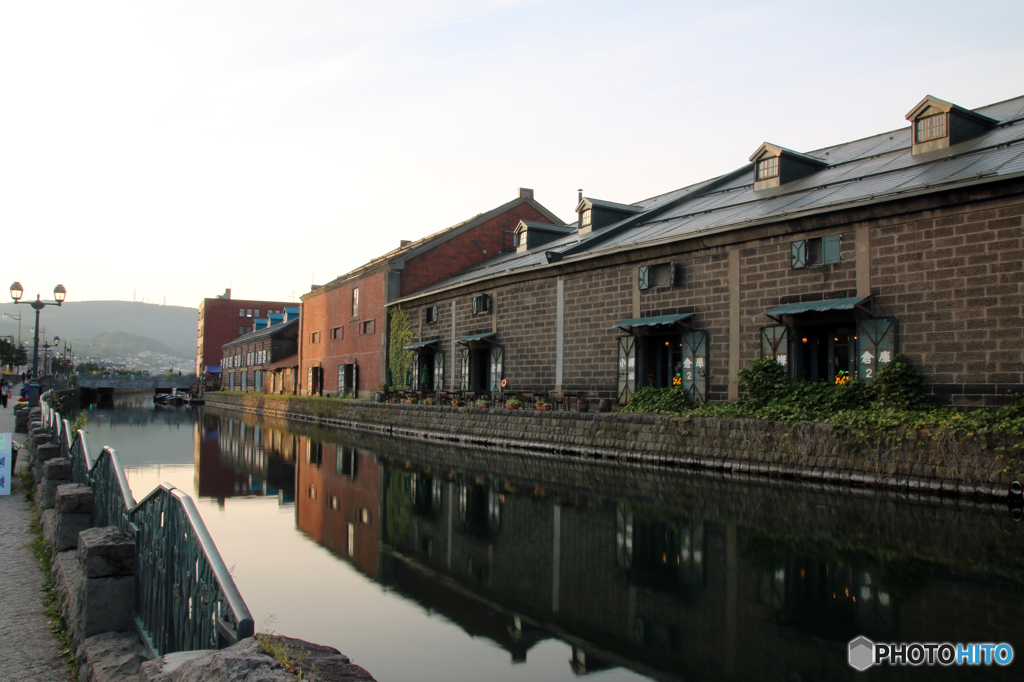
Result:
{"points": [[4, 392]]}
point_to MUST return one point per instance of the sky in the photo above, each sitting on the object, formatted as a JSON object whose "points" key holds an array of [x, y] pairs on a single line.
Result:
{"points": [[163, 151]]}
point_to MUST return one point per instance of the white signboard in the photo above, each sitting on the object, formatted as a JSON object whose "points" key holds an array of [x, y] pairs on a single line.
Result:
{"points": [[5, 464]]}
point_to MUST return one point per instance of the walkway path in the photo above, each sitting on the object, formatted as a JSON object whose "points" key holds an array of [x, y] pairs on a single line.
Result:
{"points": [[28, 650]]}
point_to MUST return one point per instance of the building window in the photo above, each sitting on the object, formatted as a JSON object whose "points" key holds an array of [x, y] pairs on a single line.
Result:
{"points": [[652, 276], [930, 127], [257, 312], [241, 312], [314, 337], [337, 333], [430, 314], [366, 327], [768, 168], [248, 313], [585, 217], [481, 304], [241, 330], [355, 303], [820, 251]]}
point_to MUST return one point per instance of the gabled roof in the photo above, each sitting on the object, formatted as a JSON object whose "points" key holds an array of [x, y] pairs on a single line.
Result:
{"points": [[544, 227], [413, 249], [930, 102], [609, 205], [261, 333], [871, 170], [767, 149]]}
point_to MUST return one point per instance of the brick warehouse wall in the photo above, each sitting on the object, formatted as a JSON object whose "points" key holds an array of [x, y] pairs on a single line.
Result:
{"points": [[935, 461], [278, 347], [329, 308], [948, 267], [219, 323]]}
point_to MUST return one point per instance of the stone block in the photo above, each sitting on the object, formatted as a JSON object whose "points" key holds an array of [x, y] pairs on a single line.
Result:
{"points": [[105, 552], [110, 657], [73, 498], [55, 472], [43, 454], [65, 529]]}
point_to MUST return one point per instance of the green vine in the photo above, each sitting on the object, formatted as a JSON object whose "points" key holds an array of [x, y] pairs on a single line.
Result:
{"points": [[400, 359]]}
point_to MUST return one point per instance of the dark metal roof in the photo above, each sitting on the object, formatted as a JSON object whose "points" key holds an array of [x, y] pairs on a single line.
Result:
{"points": [[261, 333], [651, 321], [870, 170], [816, 306], [475, 337], [613, 206], [422, 344]]}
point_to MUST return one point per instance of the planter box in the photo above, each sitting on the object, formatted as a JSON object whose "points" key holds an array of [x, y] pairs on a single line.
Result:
{"points": [[543, 408]]}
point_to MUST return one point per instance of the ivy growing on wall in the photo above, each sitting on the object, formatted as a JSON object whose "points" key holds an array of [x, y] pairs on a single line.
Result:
{"points": [[400, 359]]}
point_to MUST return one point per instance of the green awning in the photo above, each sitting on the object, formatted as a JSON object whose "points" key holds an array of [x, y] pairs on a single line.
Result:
{"points": [[475, 338], [421, 344], [652, 321], [816, 306]]}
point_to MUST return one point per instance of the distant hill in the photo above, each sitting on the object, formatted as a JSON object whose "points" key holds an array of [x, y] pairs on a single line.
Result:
{"points": [[170, 327], [119, 344]]}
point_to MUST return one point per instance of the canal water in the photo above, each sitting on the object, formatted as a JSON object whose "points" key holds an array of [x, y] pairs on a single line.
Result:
{"points": [[423, 561]]}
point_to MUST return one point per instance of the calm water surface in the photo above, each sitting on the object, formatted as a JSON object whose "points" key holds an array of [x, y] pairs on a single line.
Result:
{"points": [[428, 562]]}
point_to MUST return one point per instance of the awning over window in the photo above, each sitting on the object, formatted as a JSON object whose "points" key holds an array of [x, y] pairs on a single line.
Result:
{"points": [[651, 321], [476, 338], [213, 369], [422, 344], [290, 361], [816, 306]]}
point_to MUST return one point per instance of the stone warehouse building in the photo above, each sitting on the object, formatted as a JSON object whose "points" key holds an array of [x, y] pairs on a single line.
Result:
{"points": [[344, 325], [830, 261], [265, 360]]}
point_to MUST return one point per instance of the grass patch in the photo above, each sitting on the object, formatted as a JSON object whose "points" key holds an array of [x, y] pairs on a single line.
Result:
{"points": [[273, 646]]}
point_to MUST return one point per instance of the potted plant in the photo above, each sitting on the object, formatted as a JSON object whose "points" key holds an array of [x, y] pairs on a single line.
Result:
{"points": [[543, 405], [483, 403], [410, 401], [513, 403], [458, 402], [430, 401]]}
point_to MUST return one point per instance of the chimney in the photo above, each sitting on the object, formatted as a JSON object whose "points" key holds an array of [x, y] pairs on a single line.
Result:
{"points": [[579, 196], [227, 294], [403, 243], [525, 193]]}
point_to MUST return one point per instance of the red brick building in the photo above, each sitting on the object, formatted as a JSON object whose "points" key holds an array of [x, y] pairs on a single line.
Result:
{"points": [[222, 320], [343, 334]]}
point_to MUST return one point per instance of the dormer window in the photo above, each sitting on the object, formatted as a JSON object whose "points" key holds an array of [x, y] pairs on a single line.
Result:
{"points": [[938, 124], [768, 168], [595, 213], [775, 166], [529, 234], [930, 128]]}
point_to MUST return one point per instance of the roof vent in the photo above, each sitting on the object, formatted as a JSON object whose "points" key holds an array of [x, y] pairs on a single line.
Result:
{"points": [[596, 213], [775, 165], [937, 124], [525, 193]]}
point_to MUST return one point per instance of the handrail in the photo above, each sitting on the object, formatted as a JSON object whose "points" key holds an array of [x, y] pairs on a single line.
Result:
{"points": [[185, 596]]}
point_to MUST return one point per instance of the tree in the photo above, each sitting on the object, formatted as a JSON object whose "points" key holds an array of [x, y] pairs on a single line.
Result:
{"points": [[11, 354]]}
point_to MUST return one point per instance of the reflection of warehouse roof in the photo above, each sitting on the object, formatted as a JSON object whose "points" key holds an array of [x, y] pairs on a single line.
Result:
{"points": [[263, 333], [872, 170]]}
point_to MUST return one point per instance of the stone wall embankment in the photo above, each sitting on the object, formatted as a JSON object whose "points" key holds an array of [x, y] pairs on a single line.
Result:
{"points": [[927, 461]]}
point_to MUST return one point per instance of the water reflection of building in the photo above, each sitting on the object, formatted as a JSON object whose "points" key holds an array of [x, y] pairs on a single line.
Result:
{"points": [[661, 587], [337, 501], [234, 458]]}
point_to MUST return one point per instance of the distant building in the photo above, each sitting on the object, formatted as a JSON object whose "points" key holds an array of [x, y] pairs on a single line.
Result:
{"points": [[222, 319], [265, 360], [344, 323]]}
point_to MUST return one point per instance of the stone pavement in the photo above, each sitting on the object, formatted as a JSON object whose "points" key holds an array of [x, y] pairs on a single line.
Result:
{"points": [[28, 650]]}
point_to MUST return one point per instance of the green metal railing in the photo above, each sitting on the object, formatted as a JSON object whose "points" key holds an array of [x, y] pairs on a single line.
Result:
{"points": [[185, 598]]}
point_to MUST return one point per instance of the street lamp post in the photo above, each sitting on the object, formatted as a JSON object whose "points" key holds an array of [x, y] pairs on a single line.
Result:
{"points": [[59, 294], [47, 363], [18, 318]]}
